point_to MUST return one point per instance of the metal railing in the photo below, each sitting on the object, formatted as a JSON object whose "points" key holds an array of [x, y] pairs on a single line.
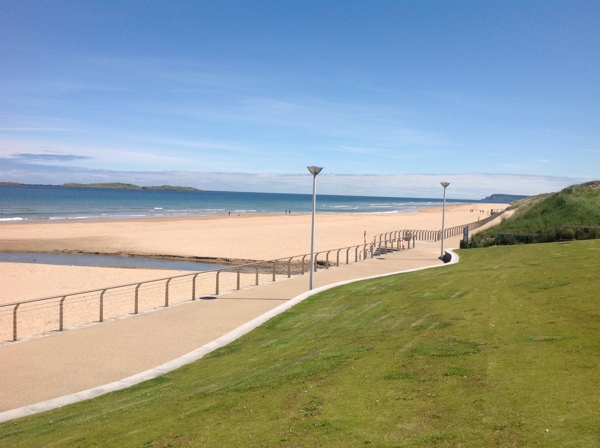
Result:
{"points": [[436, 235], [56, 313], [559, 233], [48, 314]]}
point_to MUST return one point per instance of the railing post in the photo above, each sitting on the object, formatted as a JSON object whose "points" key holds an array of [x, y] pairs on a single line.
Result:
{"points": [[303, 258], [167, 292], [290, 267], [356, 254], [347, 255], [15, 321], [102, 305], [327, 260], [274, 272], [194, 286], [61, 319], [256, 276], [136, 308], [337, 259], [238, 279], [217, 281]]}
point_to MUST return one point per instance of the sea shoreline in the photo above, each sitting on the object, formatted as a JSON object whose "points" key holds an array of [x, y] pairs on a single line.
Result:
{"points": [[50, 204]]}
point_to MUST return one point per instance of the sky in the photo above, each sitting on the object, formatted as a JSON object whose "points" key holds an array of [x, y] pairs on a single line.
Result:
{"points": [[390, 97]]}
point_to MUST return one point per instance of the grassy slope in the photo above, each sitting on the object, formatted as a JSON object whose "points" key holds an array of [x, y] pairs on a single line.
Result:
{"points": [[576, 205], [499, 350]]}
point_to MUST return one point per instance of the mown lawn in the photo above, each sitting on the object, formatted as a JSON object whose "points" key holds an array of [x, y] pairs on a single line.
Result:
{"points": [[502, 349]]}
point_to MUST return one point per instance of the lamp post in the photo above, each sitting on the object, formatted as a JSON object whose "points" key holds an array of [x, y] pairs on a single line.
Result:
{"points": [[444, 184], [314, 170]]}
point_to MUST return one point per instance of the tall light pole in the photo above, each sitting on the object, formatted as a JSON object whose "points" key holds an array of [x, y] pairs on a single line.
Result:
{"points": [[444, 184], [314, 170]]}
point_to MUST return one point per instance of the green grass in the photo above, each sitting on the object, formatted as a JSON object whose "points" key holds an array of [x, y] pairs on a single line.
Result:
{"points": [[501, 349], [578, 205]]}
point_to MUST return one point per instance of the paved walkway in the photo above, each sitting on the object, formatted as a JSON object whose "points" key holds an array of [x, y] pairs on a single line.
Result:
{"points": [[66, 367]]}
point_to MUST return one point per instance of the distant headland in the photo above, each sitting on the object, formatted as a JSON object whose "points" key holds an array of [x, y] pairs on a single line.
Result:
{"points": [[503, 198], [114, 185]]}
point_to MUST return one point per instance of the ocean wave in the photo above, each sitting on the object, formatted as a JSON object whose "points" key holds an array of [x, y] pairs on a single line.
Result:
{"points": [[12, 219], [341, 206]]}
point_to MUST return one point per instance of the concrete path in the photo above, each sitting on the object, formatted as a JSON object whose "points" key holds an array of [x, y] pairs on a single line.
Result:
{"points": [[73, 365]]}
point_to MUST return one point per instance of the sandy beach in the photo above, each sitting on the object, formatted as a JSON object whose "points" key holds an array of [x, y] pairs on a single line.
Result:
{"points": [[236, 237], [231, 238]]}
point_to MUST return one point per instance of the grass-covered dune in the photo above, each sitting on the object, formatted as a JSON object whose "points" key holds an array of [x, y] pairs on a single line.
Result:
{"points": [[501, 349], [577, 205]]}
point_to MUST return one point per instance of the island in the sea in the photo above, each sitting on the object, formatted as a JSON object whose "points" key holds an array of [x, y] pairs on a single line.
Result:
{"points": [[115, 185]]}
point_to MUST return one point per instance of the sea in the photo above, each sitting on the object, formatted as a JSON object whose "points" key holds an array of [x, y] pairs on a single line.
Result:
{"points": [[55, 203]]}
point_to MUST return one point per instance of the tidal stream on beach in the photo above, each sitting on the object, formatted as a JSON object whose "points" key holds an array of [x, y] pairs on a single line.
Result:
{"points": [[113, 261]]}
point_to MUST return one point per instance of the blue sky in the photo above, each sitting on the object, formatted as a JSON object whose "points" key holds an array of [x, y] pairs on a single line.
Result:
{"points": [[391, 97]]}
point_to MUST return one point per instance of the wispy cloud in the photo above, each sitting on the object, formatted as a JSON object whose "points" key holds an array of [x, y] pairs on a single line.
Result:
{"points": [[24, 129], [46, 157]]}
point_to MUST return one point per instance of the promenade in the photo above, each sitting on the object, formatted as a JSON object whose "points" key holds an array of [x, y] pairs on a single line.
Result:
{"points": [[81, 363]]}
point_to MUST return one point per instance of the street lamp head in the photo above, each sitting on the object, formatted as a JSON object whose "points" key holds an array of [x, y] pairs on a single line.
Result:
{"points": [[445, 184], [314, 170]]}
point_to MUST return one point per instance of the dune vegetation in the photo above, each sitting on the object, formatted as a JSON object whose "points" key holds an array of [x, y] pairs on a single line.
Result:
{"points": [[548, 217]]}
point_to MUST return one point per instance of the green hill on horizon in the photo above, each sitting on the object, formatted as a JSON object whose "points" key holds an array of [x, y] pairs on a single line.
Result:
{"points": [[110, 185]]}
